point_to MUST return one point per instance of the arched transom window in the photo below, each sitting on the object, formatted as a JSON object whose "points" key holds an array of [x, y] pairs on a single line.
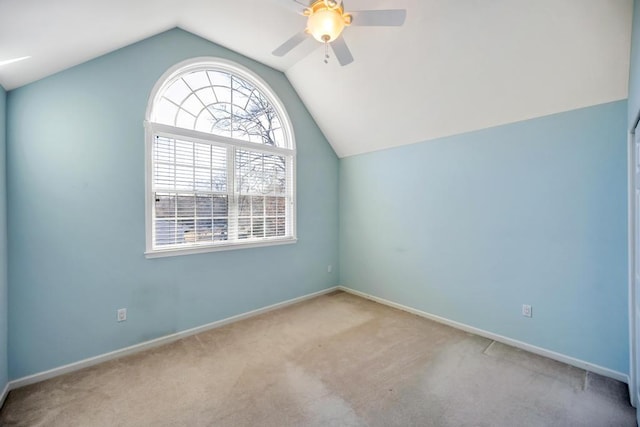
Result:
{"points": [[220, 161]]}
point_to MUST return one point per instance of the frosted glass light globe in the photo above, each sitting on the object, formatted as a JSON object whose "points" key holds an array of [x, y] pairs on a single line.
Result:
{"points": [[325, 25]]}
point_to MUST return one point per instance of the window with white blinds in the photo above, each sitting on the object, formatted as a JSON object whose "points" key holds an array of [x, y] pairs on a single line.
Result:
{"points": [[220, 162]]}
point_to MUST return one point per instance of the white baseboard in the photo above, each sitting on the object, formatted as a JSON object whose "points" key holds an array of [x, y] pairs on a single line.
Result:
{"points": [[505, 340], [4, 394], [45, 375]]}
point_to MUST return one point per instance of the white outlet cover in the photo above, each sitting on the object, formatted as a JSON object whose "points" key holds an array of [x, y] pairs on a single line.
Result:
{"points": [[121, 315], [526, 310]]}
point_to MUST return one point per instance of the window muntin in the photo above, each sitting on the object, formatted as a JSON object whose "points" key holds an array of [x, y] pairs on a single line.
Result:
{"points": [[221, 163], [220, 103]]}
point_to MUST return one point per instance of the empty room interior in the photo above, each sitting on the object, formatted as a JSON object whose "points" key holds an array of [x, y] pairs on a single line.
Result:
{"points": [[324, 212]]}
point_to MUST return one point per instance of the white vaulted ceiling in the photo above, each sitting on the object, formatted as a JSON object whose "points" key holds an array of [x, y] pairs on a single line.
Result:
{"points": [[455, 66]]}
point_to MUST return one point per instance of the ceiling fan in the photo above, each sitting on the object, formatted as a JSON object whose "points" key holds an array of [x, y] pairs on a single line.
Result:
{"points": [[325, 21]]}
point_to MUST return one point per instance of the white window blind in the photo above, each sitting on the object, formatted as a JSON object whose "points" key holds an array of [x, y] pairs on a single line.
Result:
{"points": [[222, 163], [262, 185]]}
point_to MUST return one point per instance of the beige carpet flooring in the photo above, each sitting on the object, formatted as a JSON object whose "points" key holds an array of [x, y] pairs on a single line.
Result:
{"points": [[336, 360]]}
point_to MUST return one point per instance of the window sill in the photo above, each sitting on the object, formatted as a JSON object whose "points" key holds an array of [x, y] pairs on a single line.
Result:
{"points": [[162, 253]]}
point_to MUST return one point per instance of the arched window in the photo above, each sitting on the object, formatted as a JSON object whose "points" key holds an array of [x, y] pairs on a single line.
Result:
{"points": [[220, 161]]}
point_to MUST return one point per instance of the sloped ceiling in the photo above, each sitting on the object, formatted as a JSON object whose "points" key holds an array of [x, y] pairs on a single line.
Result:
{"points": [[455, 66]]}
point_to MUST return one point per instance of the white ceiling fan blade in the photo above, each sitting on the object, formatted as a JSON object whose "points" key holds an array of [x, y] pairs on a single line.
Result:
{"points": [[341, 51], [295, 5], [287, 46], [379, 18]]}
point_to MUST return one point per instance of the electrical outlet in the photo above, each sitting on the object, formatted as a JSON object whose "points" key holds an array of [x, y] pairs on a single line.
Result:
{"points": [[122, 315], [329, 268], [526, 310]]}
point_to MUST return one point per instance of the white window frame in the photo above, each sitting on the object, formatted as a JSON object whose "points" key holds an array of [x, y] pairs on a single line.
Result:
{"points": [[152, 129]]}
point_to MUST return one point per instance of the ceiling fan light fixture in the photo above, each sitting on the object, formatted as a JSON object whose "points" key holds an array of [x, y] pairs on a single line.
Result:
{"points": [[326, 19], [326, 25]]}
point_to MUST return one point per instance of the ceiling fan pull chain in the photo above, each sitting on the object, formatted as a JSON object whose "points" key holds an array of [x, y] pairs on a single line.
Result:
{"points": [[326, 52]]}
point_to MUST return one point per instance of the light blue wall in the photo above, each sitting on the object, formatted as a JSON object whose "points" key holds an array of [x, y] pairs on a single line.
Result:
{"points": [[76, 215], [4, 315], [471, 227], [634, 72]]}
